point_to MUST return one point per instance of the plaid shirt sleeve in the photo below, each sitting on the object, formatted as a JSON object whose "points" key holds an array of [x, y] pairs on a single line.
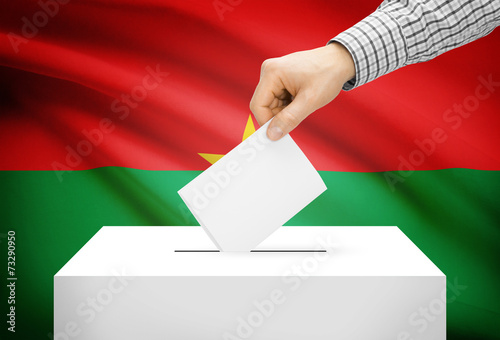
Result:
{"points": [[403, 32]]}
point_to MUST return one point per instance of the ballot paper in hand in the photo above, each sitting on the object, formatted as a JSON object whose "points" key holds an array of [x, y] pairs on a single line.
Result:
{"points": [[252, 191]]}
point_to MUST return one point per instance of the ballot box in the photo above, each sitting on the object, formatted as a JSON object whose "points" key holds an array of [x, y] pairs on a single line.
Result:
{"points": [[300, 283]]}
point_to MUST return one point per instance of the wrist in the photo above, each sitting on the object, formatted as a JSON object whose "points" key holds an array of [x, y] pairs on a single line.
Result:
{"points": [[341, 60]]}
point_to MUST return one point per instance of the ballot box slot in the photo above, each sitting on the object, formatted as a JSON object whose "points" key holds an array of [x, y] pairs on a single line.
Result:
{"points": [[196, 251], [255, 251], [288, 251]]}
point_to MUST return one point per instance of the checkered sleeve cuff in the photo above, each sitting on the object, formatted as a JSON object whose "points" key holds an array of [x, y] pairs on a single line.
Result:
{"points": [[377, 46]]}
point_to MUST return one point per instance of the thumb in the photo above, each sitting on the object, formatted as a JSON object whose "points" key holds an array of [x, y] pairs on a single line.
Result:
{"points": [[288, 118]]}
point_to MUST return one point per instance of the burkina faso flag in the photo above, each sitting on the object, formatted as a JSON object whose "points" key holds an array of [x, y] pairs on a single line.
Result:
{"points": [[107, 108]]}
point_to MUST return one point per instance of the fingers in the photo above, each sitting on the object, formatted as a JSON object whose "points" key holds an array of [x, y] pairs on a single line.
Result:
{"points": [[269, 94], [261, 102], [288, 118], [262, 112], [271, 99]]}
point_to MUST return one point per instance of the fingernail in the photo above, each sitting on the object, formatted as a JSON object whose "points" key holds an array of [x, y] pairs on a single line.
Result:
{"points": [[275, 133]]}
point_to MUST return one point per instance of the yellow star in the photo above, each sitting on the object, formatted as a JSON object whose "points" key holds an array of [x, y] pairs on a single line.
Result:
{"points": [[249, 129]]}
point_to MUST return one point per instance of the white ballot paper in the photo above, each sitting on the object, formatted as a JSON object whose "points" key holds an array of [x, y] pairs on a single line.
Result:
{"points": [[252, 191]]}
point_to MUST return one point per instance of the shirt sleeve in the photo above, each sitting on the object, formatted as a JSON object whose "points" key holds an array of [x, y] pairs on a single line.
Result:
{"points": [[403, 32]]}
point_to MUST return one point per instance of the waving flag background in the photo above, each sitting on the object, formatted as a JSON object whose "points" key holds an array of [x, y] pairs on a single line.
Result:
{"points": [[105, 107]]}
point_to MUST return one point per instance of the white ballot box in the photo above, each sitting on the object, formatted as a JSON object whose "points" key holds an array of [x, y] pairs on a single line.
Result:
{"points": [[301, 283]]}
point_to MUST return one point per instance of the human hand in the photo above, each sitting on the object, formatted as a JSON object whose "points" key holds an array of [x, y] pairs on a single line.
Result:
{"points": [[293, 86]]}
